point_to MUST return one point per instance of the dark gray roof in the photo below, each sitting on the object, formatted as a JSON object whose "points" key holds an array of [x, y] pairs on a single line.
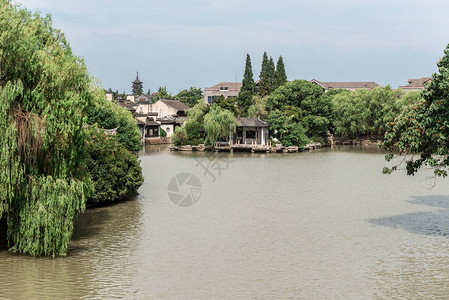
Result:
{"points": [[152, 123], [346, 85], [127, 104], [176, 104], [149, 114], [417, 83], [251, 122]]}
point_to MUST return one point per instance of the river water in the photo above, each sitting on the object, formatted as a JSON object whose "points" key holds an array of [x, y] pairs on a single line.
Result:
{"points": [[324, 224]]}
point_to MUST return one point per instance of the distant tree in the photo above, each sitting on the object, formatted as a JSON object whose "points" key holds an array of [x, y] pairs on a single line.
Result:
{"points": [[162, 93], [149, 92], [229, 103], [258, 108], [219, 124], [109, 115], [286, 130], [264, 88], [190, 97], [307, 103], [139, 91], [245, 97], [280, 76], [197, 112], [271, 74], [248, 77]]}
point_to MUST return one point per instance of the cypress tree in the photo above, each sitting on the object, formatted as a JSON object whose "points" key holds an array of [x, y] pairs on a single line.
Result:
{"points": [[244, 100], [264, 77], [271, 74], [280, 76], [248, 80]]}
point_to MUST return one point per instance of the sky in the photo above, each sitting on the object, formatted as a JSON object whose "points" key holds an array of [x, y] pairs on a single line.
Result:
{"points": [[179, 44]]}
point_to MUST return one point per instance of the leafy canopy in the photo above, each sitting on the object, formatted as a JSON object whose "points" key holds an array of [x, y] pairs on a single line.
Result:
{"points": [[422, 130], [44, 92]]}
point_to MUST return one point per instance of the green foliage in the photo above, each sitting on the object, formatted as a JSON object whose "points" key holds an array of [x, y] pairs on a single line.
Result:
{"points": [[229, 103], [248, 84], [265, 77], [286, 130], [280, 77], [422, 130], [190, 97], [163, 133], [365, 112], [163, 94], [109, 115], [304, 103], [44, 92], [245, 97], [257, 109], [189, 134], [197, 112], [115, 171], [294, 93], [219, 124]]}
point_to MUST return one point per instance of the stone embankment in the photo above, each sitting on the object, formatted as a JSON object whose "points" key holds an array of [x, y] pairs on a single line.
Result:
{"points": [[226, 147], [367, 140]]}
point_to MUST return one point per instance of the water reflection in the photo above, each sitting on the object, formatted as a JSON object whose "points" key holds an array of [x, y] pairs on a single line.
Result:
{"points": [[424, 222], [97, 265], [323, 224], [417, 270]]}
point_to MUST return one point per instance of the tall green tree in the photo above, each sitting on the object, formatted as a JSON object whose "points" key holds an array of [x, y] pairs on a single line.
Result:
{"points": [[280, 77], [271, 74], [307, 103], [190, 97], [44, 92], [421, 132], [265, 77], [162, 93], [244, 99], [228, 103]]}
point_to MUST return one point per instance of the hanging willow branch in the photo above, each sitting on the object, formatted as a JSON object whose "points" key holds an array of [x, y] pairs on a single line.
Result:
{"points": [[30, 128]]}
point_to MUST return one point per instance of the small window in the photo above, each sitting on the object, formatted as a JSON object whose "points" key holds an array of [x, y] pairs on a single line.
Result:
{"points": [[167, 129], [224, 88], [210, 99]]}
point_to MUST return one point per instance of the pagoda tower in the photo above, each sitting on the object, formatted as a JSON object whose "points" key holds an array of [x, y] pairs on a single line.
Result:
{"points": [[137, 85]]}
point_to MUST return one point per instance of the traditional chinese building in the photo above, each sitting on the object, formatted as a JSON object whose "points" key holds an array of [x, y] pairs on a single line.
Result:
{"points": [[137, 86]]}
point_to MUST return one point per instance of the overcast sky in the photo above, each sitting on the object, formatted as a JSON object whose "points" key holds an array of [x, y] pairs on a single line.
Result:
{"points": [[179, 43]]}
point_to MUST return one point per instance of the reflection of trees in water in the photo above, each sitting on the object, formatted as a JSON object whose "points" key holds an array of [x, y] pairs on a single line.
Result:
{"points": [[417, 268], [97, 265]]}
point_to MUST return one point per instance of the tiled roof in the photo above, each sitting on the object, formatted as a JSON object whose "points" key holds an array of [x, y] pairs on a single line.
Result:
{"points": [[176, 104], [346, 85], [232, 86], [416, 83], [252, 122]]}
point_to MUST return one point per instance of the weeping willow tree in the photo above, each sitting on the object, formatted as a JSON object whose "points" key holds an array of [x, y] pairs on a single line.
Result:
{"points": [[219, 124], [44, 92]]}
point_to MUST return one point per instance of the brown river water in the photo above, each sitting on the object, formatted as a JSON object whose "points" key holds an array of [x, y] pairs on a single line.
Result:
{"points": [[324, 224]]}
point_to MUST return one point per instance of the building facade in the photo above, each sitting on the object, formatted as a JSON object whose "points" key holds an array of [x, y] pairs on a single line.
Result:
{"points": [[227, 89]]}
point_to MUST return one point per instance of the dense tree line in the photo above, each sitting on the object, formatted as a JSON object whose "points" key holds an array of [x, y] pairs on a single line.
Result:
{"points": [[298, 111], [48, 107]]}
